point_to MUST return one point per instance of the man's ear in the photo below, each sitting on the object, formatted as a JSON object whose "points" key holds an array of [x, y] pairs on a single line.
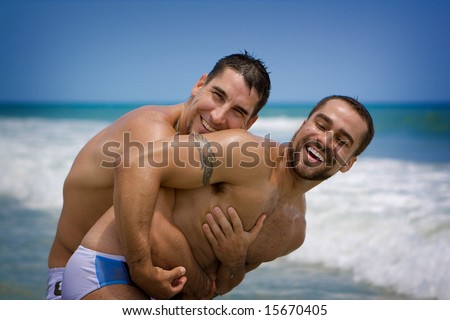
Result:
{"points": [[348, 165], [200, 83], [250, 122]]}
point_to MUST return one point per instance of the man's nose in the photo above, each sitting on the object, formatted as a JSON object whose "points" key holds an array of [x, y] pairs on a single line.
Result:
{"points": [[218, 115], [325, 139]]}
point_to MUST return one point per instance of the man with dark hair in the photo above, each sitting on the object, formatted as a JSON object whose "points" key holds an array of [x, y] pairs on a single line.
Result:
{"points": [[212, 170], [229, 97]]}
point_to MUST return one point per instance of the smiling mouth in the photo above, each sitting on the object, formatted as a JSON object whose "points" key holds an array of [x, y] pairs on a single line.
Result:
{"points": [[315, 154], [208, 126]]}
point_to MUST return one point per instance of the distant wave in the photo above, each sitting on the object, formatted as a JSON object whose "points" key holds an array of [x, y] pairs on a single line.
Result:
{"points": [[280, 128], [38, 155]]}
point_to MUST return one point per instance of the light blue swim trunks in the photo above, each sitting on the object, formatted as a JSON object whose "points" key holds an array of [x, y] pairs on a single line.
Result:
{"points": [[88, 270]]}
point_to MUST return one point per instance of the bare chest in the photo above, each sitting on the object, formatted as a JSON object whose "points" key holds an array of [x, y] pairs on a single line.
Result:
{"points": [[283, 228], [191, 207], [250, 203]]}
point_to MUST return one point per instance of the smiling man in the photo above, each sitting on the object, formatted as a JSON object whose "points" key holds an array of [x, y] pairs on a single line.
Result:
{"points": [[230, 96], [322, 156]]}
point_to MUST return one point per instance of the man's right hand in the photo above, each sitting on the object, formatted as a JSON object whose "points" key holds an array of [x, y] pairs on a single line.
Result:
{"points": [[230, 243], [228, 239], [158, 283]]}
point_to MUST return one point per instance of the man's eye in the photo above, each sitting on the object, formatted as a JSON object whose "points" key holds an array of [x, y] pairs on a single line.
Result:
{"points": [[320, 126], [218, 95]]}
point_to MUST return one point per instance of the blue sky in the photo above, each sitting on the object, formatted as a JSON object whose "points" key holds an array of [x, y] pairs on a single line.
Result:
{"points": [[120, 51]]}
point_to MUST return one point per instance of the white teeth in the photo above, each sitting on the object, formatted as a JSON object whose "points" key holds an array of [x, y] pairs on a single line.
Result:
{"points": [[315, 153], [207, 126]]}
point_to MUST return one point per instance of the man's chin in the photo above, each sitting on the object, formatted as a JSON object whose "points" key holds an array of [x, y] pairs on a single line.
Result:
{"points": [[313, 174]]}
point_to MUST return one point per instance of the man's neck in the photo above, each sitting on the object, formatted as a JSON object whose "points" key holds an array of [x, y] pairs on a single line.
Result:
{"points": [[182, 123], [288, 180]]}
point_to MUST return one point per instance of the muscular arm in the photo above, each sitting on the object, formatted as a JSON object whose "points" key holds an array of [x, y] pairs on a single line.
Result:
{"points": [[133, 213], [171, 249]]}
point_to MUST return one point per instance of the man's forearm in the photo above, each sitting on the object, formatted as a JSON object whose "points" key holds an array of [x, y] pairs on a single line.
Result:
{"points": [[133, 208], [171, 249]]}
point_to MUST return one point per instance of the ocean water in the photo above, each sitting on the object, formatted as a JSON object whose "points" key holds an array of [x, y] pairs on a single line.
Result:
{"points": [[380, 231]]}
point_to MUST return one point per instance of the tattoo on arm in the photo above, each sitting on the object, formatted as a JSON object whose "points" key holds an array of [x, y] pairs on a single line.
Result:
{"points": [[207, 157]]}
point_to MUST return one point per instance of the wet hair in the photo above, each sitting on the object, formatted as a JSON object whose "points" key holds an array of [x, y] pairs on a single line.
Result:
{"points": [[360, 109], [252, 69]]}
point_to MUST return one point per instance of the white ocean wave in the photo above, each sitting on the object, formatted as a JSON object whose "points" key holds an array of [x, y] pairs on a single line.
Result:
{"points": [[388, 222], [279, 128], [37, 155]]}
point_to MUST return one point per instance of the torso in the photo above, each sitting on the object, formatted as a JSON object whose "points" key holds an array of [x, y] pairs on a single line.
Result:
{"points": [[284, 219], [179, 215]]}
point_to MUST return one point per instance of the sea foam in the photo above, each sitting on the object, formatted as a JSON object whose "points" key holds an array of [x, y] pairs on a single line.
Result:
{"points": [[387, 221], [37, 155]]}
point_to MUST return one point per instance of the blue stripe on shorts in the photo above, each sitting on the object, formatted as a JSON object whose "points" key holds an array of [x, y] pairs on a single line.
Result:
{"points": [[110, 271]]}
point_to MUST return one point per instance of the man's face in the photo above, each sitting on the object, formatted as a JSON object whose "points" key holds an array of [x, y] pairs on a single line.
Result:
{"points": [[327, 141], [225, 102]]}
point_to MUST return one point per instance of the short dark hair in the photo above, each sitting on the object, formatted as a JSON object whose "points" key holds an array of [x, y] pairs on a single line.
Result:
{"points": [[360, 109], [252, 69]]}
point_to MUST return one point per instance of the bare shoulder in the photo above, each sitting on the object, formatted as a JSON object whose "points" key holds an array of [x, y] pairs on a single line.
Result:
{"points": [[233, 135], [295, 213], [139, 126], [245, 158], [254, 152], [298, 227], [164, 114], [148, 123], [242, 141]]}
